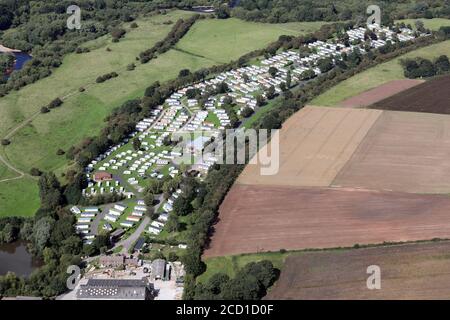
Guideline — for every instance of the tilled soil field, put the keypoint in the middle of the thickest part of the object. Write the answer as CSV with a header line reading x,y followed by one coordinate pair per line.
x,y
379,93
270,218
403,151
409,271
432,96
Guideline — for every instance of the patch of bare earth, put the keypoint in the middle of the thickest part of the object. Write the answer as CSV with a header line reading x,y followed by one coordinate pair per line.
x,y
270,218
403,151
379,93
433,96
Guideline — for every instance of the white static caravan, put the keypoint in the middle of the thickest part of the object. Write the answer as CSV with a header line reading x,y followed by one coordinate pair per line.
x,y
75,210
110,218
120,207
87,215
127,224
133,218
154,230
115,213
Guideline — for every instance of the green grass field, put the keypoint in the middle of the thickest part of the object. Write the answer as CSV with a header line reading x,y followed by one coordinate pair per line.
x,y
82,114
433,24
19,197
377,75
225,40
5,172
231,264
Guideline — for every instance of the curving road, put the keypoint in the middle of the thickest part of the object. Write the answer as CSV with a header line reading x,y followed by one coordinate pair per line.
x,y
128,242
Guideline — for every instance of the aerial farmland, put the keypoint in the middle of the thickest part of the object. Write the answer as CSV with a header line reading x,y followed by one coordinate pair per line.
x,y
133,164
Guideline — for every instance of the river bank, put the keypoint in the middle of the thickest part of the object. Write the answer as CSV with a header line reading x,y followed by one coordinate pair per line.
x,y
4,49
14,257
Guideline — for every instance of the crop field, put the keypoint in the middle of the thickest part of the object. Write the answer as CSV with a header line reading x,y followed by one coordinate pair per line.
x,y
271,218
82,114
379,93
433,24
225,40
347,176
408,271
432,96
404,151
314,145
376,76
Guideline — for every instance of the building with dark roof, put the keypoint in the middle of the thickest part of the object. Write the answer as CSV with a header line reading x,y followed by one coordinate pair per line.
x,y
117,261
116,289
158,269
139,244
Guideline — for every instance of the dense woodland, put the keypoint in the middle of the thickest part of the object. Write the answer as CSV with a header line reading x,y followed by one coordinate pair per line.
x,y
276,11
51,237
39,27
6,63
425,68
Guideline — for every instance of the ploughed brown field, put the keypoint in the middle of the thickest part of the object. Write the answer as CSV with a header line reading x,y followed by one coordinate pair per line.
x,y
379,93
409,271
360,148
432,96
315,143
346,176
403,151
270,218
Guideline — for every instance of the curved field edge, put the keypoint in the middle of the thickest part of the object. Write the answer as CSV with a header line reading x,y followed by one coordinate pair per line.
x,y
433,24
82,114
376,76
225,40
232,263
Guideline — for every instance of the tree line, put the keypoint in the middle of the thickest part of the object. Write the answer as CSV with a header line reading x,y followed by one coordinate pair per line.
x,y
425,68
180,28
276,11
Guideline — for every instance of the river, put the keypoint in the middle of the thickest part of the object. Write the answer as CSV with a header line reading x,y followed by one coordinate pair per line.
x,y
20,59
14,257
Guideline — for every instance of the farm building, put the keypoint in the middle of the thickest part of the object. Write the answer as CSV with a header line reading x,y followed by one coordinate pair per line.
x,y
158,269
116,289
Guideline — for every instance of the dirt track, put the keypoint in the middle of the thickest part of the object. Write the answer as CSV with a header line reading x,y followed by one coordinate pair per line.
x,y
379,93
432,96
410,271
403,151
263,218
